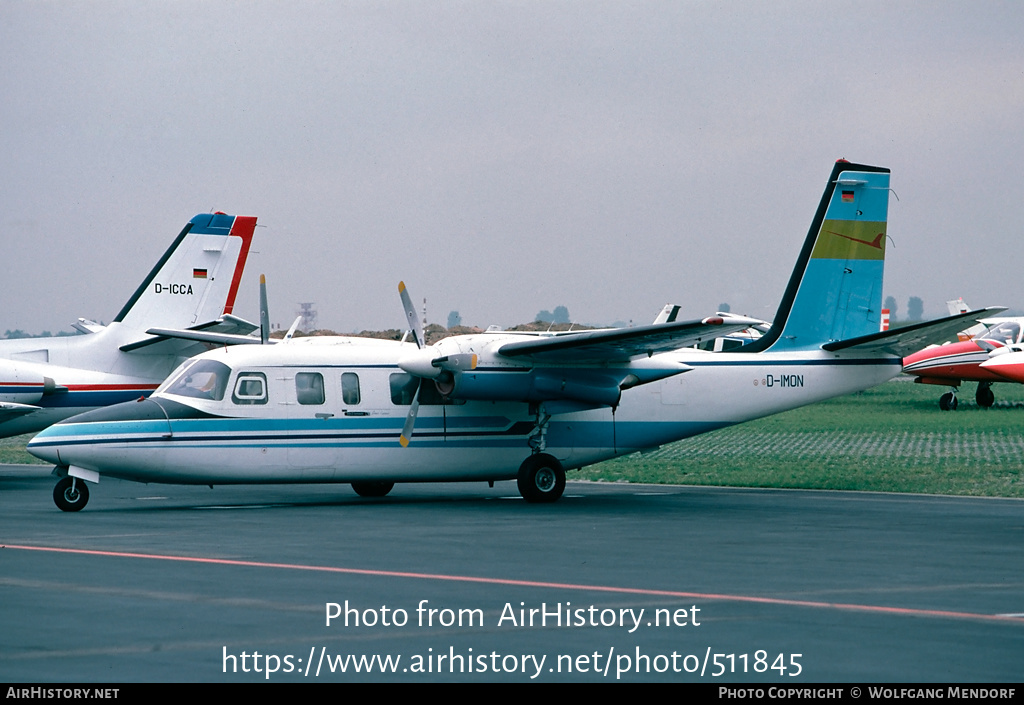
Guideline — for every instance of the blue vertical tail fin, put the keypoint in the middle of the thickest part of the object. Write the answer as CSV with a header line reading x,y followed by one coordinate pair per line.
x,y
835,291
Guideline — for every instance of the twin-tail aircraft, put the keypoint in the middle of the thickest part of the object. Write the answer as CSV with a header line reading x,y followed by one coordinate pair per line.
x,y
501,405
45,380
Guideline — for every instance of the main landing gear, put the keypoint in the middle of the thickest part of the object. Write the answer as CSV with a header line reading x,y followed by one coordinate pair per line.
x,y
541,479
948,401
71,494
984,396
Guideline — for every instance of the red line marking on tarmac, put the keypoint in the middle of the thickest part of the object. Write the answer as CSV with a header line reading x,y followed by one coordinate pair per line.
x,y
910,612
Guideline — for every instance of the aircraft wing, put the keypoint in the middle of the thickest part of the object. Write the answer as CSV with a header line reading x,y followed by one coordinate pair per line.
x,y
624,344
910,339
12,410
226,330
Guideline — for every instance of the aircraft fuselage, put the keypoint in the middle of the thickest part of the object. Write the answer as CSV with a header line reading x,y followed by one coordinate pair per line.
x,y
267,427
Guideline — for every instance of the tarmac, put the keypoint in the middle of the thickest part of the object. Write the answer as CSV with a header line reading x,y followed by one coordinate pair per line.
x,y
463,582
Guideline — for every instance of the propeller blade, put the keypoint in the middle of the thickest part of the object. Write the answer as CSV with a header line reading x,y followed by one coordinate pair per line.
x,y
264,311
410,420
410,315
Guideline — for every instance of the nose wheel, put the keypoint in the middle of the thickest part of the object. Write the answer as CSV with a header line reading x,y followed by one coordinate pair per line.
x,y
71,494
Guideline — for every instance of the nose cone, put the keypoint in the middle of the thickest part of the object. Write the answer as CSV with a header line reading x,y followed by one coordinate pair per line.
x,y
1009,366
41,447
89,439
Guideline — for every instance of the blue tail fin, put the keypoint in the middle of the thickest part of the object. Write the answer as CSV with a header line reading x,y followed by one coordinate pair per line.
x,y
835,291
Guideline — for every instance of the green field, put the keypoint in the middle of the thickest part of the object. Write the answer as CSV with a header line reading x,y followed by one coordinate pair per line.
x,y
12,450
892,438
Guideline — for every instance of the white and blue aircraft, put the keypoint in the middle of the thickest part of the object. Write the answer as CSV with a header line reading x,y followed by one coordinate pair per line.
x,y
502,405
45,380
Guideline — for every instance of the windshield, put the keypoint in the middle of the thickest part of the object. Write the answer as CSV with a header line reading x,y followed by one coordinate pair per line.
x,y
201,379
1005,333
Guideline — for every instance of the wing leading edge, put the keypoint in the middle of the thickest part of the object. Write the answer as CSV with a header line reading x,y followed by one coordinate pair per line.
x,y
624,344
910,339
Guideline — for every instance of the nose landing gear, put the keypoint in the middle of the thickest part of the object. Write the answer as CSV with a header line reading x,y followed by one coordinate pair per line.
x,y
71,494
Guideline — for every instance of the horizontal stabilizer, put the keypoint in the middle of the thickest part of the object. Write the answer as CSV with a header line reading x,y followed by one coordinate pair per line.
x,y
200,336
624,344
229,328
910,339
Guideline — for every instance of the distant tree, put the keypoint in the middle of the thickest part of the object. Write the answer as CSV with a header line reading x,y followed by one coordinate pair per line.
x,y
890,303
724,308
915,309
545,316
454,319
16,333
561,315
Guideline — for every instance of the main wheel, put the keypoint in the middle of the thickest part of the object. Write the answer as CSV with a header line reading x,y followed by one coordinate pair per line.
x,y
948,402
71,494
984,396
372,489
541,479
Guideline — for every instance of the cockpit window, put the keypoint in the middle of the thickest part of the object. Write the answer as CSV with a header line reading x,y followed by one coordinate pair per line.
x,y
203,379
1005,333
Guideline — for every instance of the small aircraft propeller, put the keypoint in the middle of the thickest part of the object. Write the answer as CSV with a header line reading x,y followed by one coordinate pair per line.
x,y
264,311
410,419
410,315
417,333
265,316
426,363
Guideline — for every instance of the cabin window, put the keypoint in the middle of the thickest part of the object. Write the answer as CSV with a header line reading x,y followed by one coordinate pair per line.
x,y
250,388
309,387
350,388
204,379
403,388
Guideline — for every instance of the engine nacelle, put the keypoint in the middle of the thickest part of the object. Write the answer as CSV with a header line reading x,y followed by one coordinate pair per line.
x,y
536,385
23,385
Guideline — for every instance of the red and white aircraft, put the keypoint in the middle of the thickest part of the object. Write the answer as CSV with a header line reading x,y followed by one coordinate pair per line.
x,y
966,360
1007,362
46,380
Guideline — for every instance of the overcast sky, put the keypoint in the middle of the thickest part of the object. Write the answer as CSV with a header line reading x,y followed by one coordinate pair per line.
x,y
502,158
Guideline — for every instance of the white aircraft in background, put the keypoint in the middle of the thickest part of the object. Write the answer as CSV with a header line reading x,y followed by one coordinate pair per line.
x,y
501,405
670,312
44,380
